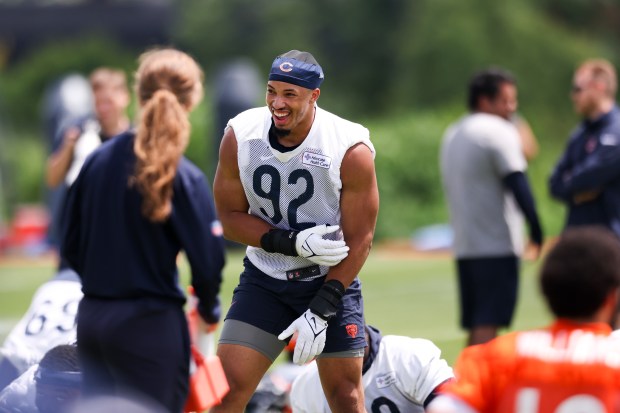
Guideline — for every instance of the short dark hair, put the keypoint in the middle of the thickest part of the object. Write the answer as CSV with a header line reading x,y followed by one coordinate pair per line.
x,y
61,358
58,379
486,83
580,271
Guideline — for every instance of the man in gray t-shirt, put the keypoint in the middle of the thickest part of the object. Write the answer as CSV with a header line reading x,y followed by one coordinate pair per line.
x,y
483,171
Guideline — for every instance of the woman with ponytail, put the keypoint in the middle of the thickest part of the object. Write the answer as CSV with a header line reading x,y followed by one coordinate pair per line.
x,y
135,205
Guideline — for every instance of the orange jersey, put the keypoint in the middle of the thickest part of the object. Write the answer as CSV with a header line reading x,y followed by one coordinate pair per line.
x,y
566,368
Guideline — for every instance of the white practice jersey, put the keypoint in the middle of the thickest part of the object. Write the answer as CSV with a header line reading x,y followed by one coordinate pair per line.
x,y
477,152
297,189
20,394
403,374
49,321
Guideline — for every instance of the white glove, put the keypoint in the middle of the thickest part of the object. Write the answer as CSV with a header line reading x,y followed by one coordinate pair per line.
x,y
311,245
311,333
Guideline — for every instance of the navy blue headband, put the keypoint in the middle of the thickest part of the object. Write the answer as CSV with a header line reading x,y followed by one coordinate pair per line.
x,y
58,378
289,70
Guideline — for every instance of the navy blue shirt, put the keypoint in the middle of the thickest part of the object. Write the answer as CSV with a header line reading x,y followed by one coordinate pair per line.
x,y
591,162
62,188
120,254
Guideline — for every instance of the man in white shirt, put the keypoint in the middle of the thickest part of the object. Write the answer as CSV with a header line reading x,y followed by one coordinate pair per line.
x,y
484,178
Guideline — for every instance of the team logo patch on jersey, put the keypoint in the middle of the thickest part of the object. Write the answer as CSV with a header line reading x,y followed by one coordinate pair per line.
x,y
351,330
316,159
386,380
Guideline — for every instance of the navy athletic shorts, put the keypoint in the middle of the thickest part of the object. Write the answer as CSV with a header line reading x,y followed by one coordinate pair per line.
x,y
272,305
488,290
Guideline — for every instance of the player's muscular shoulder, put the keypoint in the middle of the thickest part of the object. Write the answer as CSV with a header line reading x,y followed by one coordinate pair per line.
x,y
228,147
359,152
227,168
357,164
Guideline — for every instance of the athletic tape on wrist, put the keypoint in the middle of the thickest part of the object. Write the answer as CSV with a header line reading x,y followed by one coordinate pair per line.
x,y
280,240
325,302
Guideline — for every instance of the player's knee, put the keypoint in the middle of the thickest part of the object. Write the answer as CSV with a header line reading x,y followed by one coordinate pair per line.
x,y
240,389
238,386
346,396
235,400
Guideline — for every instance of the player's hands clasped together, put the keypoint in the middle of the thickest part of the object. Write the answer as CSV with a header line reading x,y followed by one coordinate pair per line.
x,y
311,333
310,244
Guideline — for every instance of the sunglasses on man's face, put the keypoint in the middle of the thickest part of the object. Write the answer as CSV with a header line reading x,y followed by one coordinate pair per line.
x,y
576,89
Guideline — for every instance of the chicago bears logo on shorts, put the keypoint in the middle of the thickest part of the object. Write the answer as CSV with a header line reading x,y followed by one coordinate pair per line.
x,y
351,330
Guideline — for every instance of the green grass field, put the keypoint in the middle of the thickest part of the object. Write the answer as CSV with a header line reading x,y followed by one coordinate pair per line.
x,y
403,294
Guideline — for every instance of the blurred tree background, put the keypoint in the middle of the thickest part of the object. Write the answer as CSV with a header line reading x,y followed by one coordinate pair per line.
x,y
400,67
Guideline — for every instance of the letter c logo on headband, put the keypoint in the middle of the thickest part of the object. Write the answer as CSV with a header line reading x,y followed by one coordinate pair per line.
x,y
297,72
286,67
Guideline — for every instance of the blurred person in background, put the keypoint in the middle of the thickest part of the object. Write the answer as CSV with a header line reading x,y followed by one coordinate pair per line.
x,y
400,374
529,143
77,138
111,99
51,386
293,183
488,193
58,380
67,101
49,321
573,365
135,205
587,176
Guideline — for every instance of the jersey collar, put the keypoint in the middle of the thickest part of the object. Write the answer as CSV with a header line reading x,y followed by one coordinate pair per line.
x,y
594,327
374,340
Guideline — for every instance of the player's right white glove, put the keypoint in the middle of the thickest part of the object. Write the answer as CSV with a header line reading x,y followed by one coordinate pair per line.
x,y
310,244
311,327
311,333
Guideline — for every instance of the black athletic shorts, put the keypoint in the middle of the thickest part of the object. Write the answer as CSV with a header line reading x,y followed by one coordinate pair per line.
x,y
271,305
488,290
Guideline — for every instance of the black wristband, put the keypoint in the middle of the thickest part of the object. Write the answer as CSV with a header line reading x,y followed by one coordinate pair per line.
x,y
280,240
536,234
325,302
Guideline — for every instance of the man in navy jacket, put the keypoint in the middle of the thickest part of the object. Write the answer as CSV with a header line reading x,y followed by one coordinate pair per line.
x,y
587,177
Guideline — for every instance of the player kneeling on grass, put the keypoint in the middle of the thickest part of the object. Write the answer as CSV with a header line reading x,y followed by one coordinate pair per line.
x,y
48,322
571,366
52,386
400,374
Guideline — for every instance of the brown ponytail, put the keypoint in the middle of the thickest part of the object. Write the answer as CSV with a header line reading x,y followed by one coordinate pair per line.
x,y
169,85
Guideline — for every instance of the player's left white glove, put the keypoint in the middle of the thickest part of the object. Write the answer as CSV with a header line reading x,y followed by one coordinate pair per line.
x,y
308,243
311,333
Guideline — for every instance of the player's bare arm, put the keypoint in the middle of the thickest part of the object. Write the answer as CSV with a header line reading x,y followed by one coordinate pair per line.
x,y
230,201
359,204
